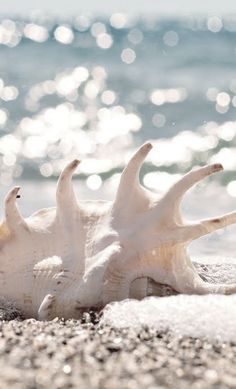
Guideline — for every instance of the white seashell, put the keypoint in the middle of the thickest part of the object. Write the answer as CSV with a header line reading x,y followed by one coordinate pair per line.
x,y
61,261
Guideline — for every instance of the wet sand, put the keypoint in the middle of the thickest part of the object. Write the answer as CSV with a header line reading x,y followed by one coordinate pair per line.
x,y
83,354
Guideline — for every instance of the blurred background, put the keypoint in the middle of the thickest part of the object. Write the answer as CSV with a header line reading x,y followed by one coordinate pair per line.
x,y
96,82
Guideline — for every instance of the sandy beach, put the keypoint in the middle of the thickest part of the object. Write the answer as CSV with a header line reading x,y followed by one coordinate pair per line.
x,y
84,354
93,353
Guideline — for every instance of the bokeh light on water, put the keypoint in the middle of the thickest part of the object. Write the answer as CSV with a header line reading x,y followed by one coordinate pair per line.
x,y
96,88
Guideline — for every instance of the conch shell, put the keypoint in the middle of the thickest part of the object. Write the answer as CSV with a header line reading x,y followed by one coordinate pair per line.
x,y
79,255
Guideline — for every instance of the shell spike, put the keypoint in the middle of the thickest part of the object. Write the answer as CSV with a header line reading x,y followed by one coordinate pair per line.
x,y
12,214
65,193
129,181
130,175
203,227
173,197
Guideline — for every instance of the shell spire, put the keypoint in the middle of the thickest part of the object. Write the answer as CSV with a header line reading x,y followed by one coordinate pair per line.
x,y
65,195
12,214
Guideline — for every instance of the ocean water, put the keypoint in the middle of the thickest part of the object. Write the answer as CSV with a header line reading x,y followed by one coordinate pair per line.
x,y
95,89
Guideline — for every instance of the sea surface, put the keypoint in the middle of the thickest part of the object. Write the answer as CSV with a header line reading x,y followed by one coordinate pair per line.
x,y
96,88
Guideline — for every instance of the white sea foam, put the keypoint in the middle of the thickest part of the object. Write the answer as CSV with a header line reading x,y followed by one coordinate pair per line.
x,y
210,316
